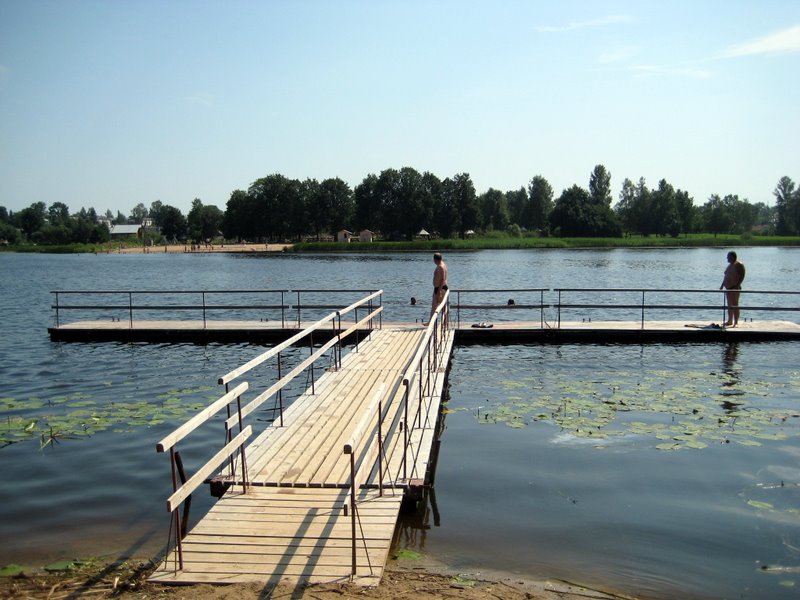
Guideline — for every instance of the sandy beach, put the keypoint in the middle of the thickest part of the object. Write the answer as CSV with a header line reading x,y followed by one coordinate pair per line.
x,y
198,248
401,580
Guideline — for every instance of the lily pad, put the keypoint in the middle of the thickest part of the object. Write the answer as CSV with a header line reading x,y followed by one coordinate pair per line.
x,y
13,570
407,554
61,565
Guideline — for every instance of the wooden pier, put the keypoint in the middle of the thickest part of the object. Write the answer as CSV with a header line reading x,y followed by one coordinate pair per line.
x,y
315,497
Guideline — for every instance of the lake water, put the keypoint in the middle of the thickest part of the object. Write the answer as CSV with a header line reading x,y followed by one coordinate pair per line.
x,y
657,470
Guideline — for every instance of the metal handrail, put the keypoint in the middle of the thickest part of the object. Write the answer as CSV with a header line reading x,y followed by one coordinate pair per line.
x,y
642,305
203,306
540,306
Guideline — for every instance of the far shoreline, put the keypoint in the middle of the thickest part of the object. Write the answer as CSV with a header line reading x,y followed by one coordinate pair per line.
x,y
421,245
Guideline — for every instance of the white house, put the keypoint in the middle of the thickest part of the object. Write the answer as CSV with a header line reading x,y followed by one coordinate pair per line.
x,y
344,236
122,230
366,236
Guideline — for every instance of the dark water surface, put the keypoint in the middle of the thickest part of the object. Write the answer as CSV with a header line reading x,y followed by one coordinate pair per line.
x,y
653,501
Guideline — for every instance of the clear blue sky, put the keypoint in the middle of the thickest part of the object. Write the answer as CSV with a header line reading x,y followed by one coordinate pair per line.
x,y
111,103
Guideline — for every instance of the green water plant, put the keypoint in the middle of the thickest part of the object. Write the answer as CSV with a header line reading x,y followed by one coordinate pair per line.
x,y
689,410
60,418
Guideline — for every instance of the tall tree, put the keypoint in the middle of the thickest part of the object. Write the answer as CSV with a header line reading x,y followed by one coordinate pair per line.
x,y
716,217
58,214
368,208
494,210
31,219
173,223
517,202
600,186
238,222
138,213
333,206
787,205
155,212
540,204
664,210
577,215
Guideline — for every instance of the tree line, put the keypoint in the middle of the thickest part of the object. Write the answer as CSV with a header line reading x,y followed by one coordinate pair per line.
x,y
400,203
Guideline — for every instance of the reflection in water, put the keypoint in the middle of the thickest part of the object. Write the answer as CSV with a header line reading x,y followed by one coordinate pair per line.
x,y
732,372
419,509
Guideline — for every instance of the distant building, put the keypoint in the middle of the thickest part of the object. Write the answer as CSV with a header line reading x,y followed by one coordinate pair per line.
x,y
366,236
124,230
344,236
423,234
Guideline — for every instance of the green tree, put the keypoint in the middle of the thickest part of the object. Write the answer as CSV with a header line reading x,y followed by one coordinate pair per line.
x,y
787,205
31,219
540,204
238,222
203,221
368,207
466,203
138,213
577,215
494,210
333,206
173,223
664,210
58,214
600,186
517,203
716,217
272,194
155,212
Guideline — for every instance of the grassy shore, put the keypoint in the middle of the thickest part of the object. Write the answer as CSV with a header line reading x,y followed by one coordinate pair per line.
x,y
514,243
491,242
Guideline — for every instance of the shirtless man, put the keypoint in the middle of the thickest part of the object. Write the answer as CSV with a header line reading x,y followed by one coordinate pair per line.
x,y
439,282
732,282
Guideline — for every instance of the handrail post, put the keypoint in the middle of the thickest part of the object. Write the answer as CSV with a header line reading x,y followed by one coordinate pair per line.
x,y
311,366
203,300
559,310
541,309
298,309
283,311
178,540
405,430
280,391
380,449
58,323
130,309
353,493
643,293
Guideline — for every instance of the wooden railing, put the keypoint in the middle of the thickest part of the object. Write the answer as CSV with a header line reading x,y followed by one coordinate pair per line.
x,y
366,447
336,341
181,493
233,451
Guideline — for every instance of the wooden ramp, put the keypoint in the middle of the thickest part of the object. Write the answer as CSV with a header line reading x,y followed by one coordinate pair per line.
x,y
292,524
276,534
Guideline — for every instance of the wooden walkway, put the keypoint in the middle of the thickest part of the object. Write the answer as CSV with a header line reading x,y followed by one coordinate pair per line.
x,y
499,331
292,524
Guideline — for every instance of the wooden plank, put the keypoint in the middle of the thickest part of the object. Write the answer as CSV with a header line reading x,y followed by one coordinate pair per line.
x,y
200,418
207,470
